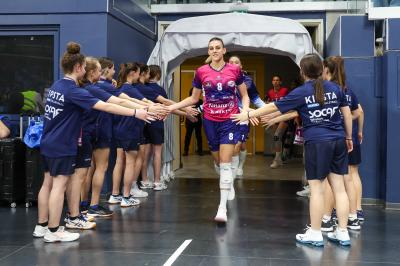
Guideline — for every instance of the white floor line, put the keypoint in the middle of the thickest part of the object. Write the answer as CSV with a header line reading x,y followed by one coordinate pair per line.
x,y
178,252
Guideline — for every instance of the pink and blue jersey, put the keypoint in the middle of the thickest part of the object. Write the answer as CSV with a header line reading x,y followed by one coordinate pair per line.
x,y
219,90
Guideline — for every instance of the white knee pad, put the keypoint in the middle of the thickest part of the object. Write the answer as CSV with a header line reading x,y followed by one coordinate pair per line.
x,y
235,165
225,178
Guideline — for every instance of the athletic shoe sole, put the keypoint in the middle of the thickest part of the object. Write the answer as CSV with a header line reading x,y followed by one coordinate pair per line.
x,y
312,243
77,227
99,215
327,229
344,243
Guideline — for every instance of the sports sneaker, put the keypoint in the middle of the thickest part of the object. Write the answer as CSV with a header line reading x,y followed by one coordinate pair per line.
x,y
99,211
146,185
159,186
39,231
60,236
115,199
129,202
353,224
360,215
88,218
83,208
138,193
231,195
221,216
340,236
239,172
311,238
79,223
305,192
327,225
276,163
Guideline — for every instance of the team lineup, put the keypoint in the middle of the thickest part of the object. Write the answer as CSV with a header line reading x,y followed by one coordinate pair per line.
x,y
87,112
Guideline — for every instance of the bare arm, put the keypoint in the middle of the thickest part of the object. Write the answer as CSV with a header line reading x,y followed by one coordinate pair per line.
x,y
348,124
189,101
141,102
4,131
125,103
360,124
245,97
246,115
285,117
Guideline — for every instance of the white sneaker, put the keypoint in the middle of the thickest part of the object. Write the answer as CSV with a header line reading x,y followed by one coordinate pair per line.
x,y
159,186
60,236
129,202
340,236
115,199
165,178
311,237
231,195
276,163
138,193
79,223
304,193
146,185
88,218
40,231
239,173
221,216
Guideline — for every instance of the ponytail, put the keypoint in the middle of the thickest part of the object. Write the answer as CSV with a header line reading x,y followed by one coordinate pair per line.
x,y
122,74
124,70
319,91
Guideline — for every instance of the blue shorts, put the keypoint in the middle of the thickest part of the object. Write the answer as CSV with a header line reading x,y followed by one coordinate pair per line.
x,y
153,135
128,145
226,132
59,166
102,143
355,155
244,132
322,158
84,156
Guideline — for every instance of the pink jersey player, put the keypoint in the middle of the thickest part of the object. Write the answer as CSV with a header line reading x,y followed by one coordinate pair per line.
x,y
219,90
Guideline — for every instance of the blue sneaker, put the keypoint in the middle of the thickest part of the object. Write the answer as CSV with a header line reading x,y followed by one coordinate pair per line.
x,y
340,236
360,215
311,238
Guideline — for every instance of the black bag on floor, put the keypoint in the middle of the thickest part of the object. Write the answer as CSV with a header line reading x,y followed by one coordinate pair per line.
x,y
34,173
12,171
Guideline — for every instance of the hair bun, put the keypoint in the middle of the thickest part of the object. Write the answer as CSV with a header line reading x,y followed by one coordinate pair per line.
x,y
73,48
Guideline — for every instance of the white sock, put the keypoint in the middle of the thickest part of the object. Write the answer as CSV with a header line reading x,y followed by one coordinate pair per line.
x,y
278,156
235,164
225,181
216,167
352,216
326,218
242,158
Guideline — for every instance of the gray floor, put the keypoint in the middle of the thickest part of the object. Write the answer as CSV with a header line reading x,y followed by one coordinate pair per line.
x,y
263,221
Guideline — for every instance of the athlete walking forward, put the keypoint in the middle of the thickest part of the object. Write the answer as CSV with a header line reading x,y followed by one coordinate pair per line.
x,y
326,144
219,81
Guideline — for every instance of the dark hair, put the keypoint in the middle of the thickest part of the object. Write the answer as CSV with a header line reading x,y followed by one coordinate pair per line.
x,y
311,66
71,57
143,68
155,71
275,75
335,65
106,62
91,65
124,70
217,39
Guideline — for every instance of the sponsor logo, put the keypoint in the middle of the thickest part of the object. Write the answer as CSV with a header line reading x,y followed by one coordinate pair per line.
x,y
231,83
52,112
326,112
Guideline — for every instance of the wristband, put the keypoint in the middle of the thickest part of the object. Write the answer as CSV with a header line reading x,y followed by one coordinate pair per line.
x,y
134,115
349,139
248,115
